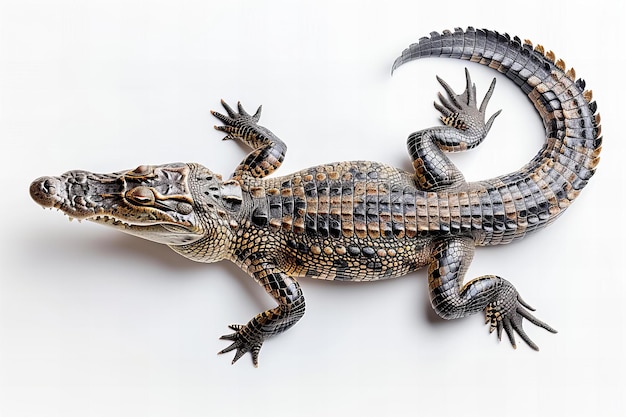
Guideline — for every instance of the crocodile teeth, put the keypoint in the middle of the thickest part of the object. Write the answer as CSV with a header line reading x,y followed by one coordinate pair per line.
x,y
103,218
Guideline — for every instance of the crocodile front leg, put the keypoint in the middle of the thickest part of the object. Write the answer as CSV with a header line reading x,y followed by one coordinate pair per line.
x,y
268,150
501,302
287,293
465,129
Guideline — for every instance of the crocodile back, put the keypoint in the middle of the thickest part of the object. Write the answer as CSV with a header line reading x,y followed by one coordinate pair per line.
x,y
359,199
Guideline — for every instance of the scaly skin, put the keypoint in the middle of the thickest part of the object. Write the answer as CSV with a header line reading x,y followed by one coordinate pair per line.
x,y
361,220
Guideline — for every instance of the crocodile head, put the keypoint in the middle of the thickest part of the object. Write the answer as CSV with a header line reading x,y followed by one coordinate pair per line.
x,y
152,202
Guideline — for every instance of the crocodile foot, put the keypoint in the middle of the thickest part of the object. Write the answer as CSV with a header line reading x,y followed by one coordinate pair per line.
x,y
460,111
244,341
507,312
238,124
268,151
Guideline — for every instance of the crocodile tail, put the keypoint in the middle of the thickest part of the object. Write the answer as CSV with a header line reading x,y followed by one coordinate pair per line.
x,y
543,188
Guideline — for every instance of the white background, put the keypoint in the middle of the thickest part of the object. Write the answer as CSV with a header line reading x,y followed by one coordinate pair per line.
x,y
97,323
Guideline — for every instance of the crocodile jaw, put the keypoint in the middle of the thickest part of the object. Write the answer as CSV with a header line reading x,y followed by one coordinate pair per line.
x,y
149,202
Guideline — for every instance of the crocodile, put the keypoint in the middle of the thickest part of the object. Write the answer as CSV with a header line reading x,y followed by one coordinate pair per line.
x,y
361,220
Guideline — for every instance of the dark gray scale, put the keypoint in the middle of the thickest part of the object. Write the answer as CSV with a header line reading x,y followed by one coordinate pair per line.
x,y
536,65
360,209
310,224
310,216
259,215
512,220
436,44
500,46
371,209
518,198
323,212
526,202
571,160
534,198
276,206
397,212
558,184
455,215
458,44
408,196
466,212
550,103
347,188
384,207
479,40
497,207
288,206
490,42
335,187
323,225
539,212
523,67
584,122
334,221
354,250
514,58
481,218
468,45
310,189
299,209
510,225
444,214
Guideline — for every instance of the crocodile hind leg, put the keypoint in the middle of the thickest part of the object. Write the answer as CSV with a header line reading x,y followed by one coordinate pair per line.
x,y
503,306
286,292
465,128
268,150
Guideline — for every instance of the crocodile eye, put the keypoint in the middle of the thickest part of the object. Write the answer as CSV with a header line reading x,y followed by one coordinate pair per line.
x,y
141,195
142,170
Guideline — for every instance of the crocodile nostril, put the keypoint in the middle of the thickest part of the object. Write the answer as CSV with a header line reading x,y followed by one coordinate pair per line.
x,y
44,190
50,186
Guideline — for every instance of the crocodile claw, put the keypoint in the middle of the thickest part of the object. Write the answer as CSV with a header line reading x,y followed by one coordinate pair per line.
x,y
510,319
244,342
241,115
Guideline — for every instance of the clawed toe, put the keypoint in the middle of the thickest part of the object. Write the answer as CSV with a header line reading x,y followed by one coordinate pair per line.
x,y
242,343
510,320
240,114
